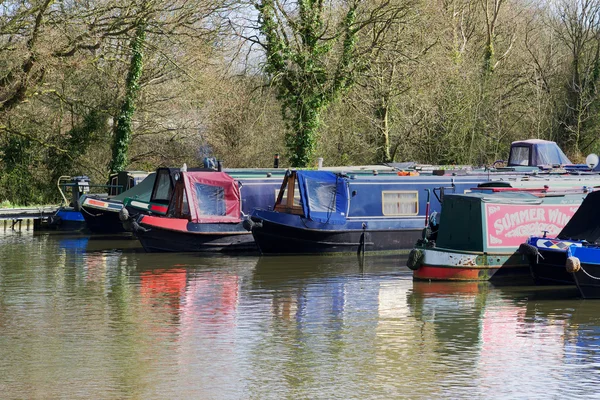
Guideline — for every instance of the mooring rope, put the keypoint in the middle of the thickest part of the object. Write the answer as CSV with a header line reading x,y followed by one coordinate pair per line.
x,y
593,277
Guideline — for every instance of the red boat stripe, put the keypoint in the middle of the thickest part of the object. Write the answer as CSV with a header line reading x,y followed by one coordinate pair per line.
x,y
93,202
451,272
162,209
446,273
175,224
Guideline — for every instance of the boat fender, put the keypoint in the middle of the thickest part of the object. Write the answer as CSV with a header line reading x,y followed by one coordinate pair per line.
x,y
573,264
135,227
123,214
415,259
248,224
529,250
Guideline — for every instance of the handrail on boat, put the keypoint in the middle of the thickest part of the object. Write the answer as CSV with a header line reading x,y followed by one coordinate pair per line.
x,y
64,177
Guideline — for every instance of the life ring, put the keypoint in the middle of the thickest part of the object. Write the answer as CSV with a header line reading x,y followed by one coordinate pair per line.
x,y
573,264
415,259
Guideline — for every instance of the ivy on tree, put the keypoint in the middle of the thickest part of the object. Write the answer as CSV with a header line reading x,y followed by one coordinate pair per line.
x,y
307,67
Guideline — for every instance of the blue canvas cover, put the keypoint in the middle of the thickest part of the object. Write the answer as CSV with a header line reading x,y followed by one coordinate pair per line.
x,y
536,152
324,196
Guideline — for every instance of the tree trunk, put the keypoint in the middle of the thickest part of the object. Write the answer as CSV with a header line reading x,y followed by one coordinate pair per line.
x,y
383,147
122,128
302,137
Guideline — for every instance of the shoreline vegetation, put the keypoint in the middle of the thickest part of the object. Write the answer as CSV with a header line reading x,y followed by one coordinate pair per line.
x,y
107,85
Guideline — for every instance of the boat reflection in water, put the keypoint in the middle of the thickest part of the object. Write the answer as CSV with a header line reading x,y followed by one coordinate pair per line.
x,y
313,291
503,332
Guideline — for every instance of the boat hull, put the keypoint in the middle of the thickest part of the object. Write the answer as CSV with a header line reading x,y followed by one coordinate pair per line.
x,y
448,265
548,268
67,220
274,238
587,277
205,237
99,221
589,286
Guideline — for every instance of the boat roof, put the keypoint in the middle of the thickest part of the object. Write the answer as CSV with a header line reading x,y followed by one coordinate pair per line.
x,y
212,196
141,191
500,197
532,141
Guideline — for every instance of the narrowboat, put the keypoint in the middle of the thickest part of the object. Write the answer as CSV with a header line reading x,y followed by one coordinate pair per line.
x,y
102,214
69,216
205,213
162,190
571,257
479,234
151,196
325,212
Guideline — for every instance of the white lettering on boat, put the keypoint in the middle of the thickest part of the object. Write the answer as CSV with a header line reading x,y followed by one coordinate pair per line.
x,y
508,225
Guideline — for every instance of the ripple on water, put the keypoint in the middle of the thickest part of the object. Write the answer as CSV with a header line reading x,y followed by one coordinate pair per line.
x,y
83,316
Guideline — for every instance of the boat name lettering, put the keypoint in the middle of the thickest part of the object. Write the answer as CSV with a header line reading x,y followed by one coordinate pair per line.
x,y
509,225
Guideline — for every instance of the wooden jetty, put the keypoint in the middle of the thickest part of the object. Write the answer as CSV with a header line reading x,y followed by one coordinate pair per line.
x,y
16,219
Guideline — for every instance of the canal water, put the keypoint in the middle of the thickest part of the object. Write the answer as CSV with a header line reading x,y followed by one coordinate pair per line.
x,y
96,317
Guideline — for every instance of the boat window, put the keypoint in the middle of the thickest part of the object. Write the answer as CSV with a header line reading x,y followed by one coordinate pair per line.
x,y
211,199
131,183
113,190
163,187
519,155
285,196
321,195
297,201
400,203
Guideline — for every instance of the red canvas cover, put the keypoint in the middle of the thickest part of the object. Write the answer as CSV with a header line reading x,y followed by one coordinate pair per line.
x,y
231,196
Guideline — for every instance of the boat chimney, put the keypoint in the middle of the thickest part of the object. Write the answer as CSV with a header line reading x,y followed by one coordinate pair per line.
x,y
276,161
184,167
319,162
219,165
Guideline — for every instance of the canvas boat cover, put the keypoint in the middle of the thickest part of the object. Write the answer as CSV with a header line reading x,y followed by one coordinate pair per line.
x,y
543,152
324,196
213,197
585,223
141,191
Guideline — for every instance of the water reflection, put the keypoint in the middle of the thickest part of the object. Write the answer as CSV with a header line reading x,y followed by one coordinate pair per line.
x,y
80,313
498,334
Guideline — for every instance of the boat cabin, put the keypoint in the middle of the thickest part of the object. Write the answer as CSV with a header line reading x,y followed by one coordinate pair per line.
x,y
501,221
331,198
536,152
318,195
205,197
124,180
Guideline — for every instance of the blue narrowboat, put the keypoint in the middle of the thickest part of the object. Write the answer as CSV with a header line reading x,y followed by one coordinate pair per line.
x,y
69,216
326,212
206,213
573,256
